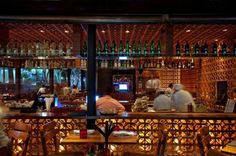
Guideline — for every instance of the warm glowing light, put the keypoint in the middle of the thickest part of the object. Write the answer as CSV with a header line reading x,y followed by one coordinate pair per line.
x,y
42,31
188,30
127,31
103,31
216,40
66,31
224,30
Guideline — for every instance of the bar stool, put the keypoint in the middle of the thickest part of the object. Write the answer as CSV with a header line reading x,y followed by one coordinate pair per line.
x,y
50,133
20,131
203,139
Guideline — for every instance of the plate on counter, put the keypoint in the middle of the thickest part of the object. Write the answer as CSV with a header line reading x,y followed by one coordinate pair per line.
x,y
123,133
89,131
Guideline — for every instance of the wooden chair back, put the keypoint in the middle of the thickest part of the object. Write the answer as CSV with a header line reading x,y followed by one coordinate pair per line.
x,y
48,133
20,131
203,139
162,141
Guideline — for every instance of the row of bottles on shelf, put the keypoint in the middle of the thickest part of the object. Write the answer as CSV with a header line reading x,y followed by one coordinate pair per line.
x,y
39,63
158,64
204,50
135,49
138,50
152,64
31,48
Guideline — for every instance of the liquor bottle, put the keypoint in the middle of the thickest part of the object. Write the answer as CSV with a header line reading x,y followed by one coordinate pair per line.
x,y
127,48
1,49
192,64
205,49
29,47
214,49
106,48
196,49
15,48
224,49
69,48
234,51
115,64
139,49
60,48
186,49
133,49
113,47
84,49
121,48
159,48
145,48
177,47
99,48
106,64
152,48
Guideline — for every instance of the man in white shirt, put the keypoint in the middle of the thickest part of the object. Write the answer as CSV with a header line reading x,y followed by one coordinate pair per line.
x,y
162,102
153,83
182,98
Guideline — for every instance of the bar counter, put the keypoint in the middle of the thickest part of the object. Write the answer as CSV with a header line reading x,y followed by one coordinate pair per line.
x,y
182,127
127,115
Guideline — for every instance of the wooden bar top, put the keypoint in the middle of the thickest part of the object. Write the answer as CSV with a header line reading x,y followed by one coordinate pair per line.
x,y
129,115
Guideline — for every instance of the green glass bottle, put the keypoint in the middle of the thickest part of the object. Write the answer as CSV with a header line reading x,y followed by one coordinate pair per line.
x,y
214,49
133,48
99,48
224,49
120,48
106,48
113,47
177,48
159,48
152,48
139,49
145,48
127,48
205,49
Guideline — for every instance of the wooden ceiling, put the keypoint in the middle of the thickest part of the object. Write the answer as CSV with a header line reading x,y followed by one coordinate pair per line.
x,y
191,33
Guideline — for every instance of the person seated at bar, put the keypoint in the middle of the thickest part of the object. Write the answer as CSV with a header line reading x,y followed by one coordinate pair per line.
x,y
107,104
169,90
74,90
162,102
230,105
39,103
5,142
42,90
182,98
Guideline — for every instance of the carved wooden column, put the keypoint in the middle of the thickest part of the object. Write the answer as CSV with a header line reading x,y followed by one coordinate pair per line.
x,y
77,39
166,38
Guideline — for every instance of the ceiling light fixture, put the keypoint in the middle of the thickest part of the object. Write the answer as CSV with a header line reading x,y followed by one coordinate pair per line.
x,y
42,31
103,31
216,40
187,31
224,30
66,31
127,31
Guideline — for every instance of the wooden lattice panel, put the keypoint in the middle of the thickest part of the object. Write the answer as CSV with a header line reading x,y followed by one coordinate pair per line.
x,y
181,130
213,70
168,76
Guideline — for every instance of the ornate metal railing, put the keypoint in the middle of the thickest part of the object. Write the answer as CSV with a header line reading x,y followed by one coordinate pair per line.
x,y
182,128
